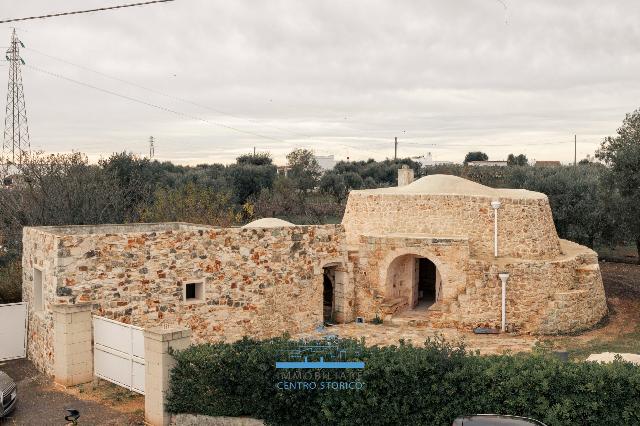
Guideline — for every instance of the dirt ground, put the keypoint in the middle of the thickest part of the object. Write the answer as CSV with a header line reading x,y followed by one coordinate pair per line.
x,y
620,331
42,402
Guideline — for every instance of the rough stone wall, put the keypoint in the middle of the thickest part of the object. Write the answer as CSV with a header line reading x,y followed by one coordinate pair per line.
x,y
545,297
40,251
525,226
257,282
376,262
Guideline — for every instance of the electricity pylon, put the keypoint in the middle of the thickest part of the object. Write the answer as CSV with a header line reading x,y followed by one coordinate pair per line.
x,y
15,145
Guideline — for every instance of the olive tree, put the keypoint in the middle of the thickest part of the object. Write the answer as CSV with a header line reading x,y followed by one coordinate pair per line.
x,y
622,154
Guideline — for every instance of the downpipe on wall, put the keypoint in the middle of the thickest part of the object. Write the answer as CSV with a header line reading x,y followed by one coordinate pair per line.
x,y
504,276
495,205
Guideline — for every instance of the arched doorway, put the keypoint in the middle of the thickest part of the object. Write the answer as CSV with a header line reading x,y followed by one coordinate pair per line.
x,y
412,282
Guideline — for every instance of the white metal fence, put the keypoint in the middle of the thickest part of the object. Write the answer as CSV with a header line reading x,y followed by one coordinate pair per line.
x,y
13,331
118,353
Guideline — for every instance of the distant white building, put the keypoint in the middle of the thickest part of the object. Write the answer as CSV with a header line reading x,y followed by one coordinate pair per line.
x,y
427,160
326,162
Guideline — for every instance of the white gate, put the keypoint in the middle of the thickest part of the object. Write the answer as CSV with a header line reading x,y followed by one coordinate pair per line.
x,y
118,353
13,331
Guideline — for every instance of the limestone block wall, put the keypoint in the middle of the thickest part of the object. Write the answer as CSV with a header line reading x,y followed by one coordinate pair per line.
x,y
546,297
257,282
376,264
40,251
543,296
525,226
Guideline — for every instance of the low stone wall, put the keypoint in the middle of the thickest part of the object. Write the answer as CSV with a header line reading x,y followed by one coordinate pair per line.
x,y
257,282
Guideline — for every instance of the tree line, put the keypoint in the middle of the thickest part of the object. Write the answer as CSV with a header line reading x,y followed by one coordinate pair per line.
x,y
593,203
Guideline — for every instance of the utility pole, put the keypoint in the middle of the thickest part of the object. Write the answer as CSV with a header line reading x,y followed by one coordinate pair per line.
x,y
254,151
575,149
152,148
395,151
15,144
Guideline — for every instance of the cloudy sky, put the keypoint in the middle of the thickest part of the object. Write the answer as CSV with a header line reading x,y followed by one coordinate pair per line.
x,y
339,77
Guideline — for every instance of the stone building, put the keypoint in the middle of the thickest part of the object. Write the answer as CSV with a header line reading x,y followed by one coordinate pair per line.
x,y
429,252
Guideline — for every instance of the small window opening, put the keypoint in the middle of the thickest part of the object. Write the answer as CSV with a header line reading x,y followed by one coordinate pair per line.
x,y
37,290
193,291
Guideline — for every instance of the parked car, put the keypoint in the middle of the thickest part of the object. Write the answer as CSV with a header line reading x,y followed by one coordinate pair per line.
x,y
495,420
8,394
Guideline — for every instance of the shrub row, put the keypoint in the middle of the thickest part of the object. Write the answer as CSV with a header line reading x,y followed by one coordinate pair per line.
x,y
405,385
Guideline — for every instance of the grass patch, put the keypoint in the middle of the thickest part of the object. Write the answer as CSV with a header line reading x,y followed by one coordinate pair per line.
x,y
115,393
580,350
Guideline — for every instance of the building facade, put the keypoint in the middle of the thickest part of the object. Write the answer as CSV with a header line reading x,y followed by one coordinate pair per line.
x,y
426,248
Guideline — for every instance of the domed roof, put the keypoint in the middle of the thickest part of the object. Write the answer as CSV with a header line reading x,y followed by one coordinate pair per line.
x,y
268,222
453,185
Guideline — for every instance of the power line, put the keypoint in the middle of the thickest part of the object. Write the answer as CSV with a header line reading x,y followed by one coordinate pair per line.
x,y
77,12
140,101
158,92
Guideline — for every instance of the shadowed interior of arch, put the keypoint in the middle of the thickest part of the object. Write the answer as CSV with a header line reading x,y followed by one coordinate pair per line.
x,y
425,282
413,285
328,284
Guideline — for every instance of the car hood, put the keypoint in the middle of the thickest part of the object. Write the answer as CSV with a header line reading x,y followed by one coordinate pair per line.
x,y
5,380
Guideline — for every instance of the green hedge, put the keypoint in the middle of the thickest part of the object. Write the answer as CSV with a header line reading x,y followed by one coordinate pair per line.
x,y
405,385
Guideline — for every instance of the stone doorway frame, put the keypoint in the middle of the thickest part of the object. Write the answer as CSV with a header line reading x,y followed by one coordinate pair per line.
x,y
341,311
437,284
408,260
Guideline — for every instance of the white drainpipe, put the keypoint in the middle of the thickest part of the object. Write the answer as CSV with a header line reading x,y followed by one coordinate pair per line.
x,y
496,206
504,276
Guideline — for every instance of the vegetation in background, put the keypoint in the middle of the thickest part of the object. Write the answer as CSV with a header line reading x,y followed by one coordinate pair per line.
x,y
404,385
622,154
194,204
517,160
304,170
592,203
475,156
250,175
10,281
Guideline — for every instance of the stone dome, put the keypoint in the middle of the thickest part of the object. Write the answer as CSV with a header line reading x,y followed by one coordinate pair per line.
x,y
268,222
454,185
442,206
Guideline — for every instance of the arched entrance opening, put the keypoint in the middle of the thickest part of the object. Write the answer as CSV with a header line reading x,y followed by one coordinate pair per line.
x,y
412,282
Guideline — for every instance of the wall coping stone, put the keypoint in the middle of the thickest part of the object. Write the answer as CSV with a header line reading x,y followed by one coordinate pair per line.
x,y
66,308
162,334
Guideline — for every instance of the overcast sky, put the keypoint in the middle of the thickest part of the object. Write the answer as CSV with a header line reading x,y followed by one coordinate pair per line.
x,y
339,77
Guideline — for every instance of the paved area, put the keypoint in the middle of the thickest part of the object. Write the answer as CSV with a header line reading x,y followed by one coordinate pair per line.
x,y
611,356
41,402
383,335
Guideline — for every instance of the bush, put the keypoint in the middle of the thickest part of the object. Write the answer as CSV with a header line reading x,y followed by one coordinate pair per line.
x,y
430,385
10,281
